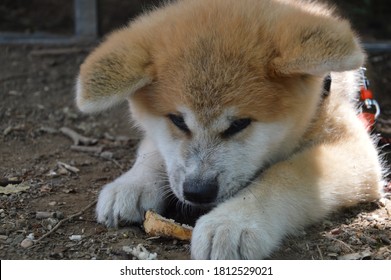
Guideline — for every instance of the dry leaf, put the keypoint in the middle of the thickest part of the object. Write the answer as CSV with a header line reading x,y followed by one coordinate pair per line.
x,y
9,189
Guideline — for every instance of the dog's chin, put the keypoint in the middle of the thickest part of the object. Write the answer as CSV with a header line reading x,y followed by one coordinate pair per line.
x,y
217,201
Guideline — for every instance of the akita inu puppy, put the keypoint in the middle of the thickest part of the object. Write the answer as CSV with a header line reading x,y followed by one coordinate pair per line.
x,y
231,98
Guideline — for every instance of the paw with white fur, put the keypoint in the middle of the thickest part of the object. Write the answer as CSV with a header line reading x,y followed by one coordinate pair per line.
x,y
219,235
128,202
138,190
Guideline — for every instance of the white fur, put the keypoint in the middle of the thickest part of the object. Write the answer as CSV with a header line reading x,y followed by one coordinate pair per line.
x,y
237,160
139,189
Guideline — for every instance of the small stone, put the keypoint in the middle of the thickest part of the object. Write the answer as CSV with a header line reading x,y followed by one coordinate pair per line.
x,y
49,223
106,155
26,243
75,237
52,174
382,202
52,203
66,190
44,215
335,231
370,218
59,215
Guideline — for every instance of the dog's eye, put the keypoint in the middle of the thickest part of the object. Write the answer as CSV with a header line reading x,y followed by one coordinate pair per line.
x,y
236,126
179,122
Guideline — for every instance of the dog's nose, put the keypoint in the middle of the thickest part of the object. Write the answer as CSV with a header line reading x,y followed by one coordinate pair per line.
x,y
200,191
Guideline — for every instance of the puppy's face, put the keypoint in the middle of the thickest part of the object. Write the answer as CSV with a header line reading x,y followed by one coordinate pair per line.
x,y
209,162
219,122
223,88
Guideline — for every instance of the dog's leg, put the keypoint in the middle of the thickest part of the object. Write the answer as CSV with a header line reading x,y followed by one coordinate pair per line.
x,y
288,196
139,189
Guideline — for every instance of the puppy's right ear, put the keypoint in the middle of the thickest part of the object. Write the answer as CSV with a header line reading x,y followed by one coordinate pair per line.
x,y
113,71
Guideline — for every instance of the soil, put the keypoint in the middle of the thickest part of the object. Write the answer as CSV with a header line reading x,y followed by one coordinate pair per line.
x,y
37,101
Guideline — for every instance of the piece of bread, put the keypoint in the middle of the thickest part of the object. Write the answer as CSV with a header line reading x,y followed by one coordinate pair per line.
x,y
156,225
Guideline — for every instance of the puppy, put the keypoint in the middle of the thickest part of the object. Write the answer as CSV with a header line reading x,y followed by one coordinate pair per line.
x,y
230,96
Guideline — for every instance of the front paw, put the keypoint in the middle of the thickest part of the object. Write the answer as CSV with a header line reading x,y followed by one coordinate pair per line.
x,y
223,234
120,201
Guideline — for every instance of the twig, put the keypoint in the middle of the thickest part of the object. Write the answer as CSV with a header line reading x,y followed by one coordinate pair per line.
x,y
65,220
77,138
67,167
320,252
86,149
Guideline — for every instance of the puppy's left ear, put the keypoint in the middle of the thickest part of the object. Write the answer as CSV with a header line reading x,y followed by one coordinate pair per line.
x,y
315,45
114,70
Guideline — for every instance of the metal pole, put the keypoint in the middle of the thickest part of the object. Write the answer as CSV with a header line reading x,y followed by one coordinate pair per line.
x,y
375,47
86,18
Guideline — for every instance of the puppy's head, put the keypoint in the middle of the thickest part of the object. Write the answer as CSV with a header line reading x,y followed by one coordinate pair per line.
x,y
223,88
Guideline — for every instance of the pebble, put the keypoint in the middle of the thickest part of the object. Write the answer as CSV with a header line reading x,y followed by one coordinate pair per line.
x,y
106,155
370,219
59,215
26,243
335,231
382,202
75,237
44,215
49,223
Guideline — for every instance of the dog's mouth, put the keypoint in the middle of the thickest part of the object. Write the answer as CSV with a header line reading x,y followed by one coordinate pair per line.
x,y
206,193
212,198
202,205
185,212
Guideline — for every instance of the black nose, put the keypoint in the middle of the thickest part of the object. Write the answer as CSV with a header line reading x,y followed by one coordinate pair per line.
x,y
200,190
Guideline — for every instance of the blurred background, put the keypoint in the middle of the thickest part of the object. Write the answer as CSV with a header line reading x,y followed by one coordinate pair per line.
x,y
370,17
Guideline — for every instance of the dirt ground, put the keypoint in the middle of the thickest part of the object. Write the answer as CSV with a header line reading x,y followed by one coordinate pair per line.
x,y
55,184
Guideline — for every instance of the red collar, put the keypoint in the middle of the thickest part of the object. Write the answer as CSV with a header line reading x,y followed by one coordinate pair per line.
x,y
370,109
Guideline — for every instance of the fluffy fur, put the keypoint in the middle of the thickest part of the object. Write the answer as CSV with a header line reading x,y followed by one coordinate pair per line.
x,y
193,72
